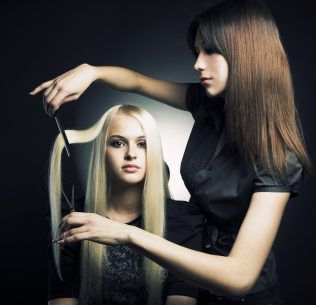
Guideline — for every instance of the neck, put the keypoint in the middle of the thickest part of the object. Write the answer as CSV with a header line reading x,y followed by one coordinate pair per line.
x,y
124,202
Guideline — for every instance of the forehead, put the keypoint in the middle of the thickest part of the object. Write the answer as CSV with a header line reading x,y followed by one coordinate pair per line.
x,y
125,126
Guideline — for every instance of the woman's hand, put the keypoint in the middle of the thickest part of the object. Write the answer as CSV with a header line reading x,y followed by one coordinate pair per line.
x,y
66,87
90,226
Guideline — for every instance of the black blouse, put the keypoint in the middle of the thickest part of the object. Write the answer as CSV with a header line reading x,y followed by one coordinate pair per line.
x,y
223,187
123,277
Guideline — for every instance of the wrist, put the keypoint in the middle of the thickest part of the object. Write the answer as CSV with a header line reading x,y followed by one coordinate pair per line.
x,y
94,72
131,235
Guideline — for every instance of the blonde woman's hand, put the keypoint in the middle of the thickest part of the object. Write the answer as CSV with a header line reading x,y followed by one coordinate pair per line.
x,y
66,87
90,226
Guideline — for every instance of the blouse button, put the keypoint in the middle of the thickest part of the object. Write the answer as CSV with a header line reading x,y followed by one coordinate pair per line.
x,y
193,185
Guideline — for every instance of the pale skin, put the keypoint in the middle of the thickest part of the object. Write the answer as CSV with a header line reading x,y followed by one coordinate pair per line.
x,y
125,153
233,275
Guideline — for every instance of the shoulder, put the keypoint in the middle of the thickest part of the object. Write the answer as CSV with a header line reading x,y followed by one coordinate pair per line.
x,y
266,181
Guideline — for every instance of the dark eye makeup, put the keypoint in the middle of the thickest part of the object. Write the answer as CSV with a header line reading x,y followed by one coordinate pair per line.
x,y
120,143
117,143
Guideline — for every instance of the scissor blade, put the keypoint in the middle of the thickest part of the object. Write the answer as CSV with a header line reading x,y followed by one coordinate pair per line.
x,y
73,197
67,200
61,130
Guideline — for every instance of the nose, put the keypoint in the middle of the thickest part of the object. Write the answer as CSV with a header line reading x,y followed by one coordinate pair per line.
x,y
200,64
130,153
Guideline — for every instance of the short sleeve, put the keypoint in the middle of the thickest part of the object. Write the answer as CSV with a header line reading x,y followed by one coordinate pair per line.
x,y
184,227
69,261
195,98
266,182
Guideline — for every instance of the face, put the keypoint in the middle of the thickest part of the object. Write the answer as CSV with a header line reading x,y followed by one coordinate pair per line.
x,y
213,68
126,150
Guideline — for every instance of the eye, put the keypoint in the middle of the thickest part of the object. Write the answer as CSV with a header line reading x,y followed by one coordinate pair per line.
x,y
142,144
117,143
210,51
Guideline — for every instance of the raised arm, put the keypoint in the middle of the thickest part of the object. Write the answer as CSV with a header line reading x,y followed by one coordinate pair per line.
x,y
70,85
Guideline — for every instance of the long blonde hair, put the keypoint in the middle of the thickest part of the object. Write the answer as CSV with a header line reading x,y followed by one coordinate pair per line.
x,y
93,255
261,116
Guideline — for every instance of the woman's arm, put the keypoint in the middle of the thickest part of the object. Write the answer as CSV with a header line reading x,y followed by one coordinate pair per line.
x,y
232,275
180,300
63,301
70,85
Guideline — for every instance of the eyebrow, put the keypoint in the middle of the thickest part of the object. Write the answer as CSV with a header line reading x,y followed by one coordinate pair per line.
x,y
121,137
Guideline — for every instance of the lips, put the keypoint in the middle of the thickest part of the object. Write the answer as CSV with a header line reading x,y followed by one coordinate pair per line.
x,y
131,166
203,79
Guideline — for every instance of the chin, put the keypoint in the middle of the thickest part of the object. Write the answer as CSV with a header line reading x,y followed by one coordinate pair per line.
x,y
210,92
132,180
213,93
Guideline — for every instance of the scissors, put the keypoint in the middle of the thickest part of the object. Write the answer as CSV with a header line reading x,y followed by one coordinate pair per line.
x,y
60,128
72,202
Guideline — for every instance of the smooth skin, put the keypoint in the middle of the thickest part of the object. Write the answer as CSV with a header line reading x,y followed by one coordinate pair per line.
x,y
233,275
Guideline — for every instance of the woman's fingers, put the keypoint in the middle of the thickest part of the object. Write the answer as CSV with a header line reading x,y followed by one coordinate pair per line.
x,y
42,87
65,88
71,235
55,103
56,97
74,219
72,97
50,93
75,237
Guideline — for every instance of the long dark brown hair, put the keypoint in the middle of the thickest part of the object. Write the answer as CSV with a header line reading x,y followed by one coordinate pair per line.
x,y
261,116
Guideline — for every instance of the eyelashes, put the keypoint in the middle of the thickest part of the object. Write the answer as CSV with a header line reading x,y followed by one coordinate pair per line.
x,y
210,50
120,143
117,143
142,144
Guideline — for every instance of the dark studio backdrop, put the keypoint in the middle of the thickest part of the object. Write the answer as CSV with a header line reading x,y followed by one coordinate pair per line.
x,y
42,39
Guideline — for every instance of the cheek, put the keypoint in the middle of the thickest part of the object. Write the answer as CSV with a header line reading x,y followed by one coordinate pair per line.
x,y
143,159
112,158
223,69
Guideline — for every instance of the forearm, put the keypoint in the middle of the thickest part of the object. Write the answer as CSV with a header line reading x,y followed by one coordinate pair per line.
x,y
117,77
180,300
172,94
63,301
221,275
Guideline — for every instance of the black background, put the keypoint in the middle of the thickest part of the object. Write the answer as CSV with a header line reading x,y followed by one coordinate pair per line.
x,y
42,39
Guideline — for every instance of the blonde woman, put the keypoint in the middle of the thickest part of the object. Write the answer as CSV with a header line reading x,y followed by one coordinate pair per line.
x,y
126,184
244,159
